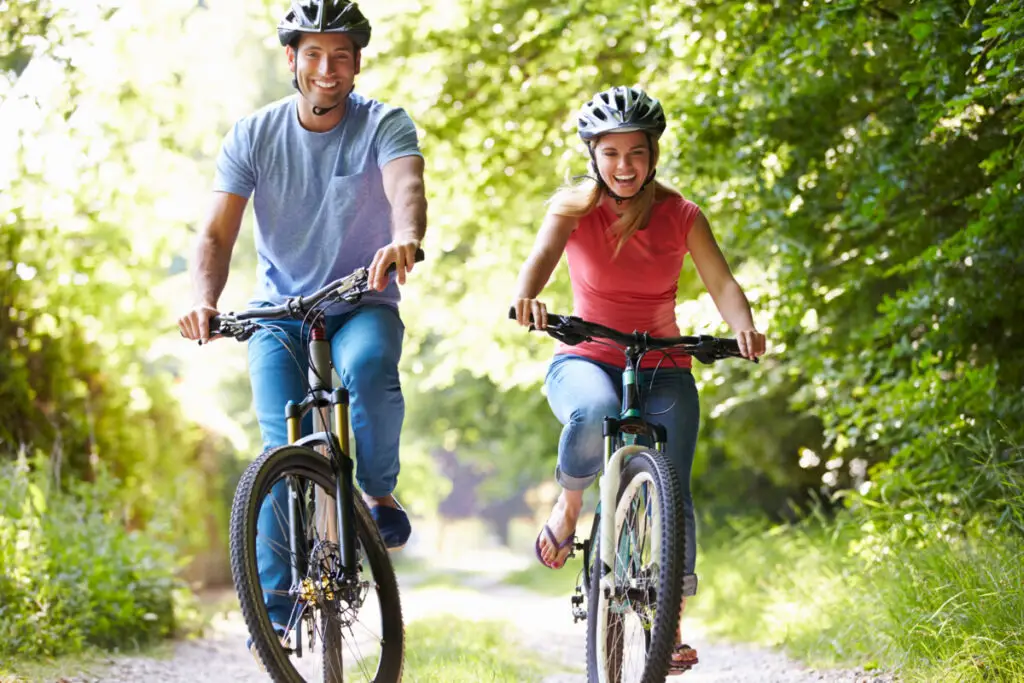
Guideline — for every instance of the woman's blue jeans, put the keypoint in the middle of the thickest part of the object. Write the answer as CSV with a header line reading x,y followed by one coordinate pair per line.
x,y
582,392
366,345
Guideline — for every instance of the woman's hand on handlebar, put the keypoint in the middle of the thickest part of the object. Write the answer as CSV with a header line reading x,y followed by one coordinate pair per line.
x,y
751,342
525,308
196,323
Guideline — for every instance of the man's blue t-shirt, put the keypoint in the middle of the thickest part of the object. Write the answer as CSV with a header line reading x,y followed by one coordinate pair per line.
x,y
319,200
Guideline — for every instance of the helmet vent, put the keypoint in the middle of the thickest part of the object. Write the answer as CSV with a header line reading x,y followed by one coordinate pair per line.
x,y
622,109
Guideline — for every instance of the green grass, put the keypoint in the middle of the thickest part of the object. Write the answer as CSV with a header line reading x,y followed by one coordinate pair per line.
x,y
447,578
953,610
448,650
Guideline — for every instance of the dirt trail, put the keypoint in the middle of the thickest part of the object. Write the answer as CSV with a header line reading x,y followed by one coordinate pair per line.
x,y
543,625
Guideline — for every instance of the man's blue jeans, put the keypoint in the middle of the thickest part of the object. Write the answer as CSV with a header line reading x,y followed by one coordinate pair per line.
x,y
582,392
366,345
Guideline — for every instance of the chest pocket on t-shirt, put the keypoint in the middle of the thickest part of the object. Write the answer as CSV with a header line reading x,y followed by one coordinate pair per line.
x,y
349,192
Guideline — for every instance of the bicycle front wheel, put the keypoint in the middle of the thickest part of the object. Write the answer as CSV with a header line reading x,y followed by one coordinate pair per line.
x,y
633,606
309,620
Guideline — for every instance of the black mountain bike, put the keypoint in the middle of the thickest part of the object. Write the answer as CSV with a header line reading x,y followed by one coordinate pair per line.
x,y
632,578
346,617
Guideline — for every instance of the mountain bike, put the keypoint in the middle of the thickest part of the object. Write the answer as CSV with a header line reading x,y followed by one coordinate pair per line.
x,y
631,583
346,617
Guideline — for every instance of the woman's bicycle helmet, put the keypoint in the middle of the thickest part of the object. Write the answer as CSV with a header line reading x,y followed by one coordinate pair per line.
x,y
621,110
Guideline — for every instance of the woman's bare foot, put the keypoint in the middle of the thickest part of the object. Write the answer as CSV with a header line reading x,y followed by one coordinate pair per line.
x,y
562,525
684,657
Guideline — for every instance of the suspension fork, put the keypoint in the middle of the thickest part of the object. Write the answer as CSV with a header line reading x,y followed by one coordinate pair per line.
x,y
335,513
609,487
344,494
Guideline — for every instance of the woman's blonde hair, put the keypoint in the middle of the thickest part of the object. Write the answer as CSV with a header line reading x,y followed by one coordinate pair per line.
x,y
578,199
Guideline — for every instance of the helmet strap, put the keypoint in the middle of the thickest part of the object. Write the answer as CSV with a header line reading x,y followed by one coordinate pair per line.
x,y
317,111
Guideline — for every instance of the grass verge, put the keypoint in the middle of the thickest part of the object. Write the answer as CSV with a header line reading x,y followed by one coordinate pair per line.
x,y
834,595
444,649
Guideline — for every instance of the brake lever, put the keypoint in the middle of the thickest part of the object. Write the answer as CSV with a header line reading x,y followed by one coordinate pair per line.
x,y
245,330
563,335
357,281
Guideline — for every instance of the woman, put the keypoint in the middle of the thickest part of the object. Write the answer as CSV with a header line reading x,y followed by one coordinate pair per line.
x,y
625,235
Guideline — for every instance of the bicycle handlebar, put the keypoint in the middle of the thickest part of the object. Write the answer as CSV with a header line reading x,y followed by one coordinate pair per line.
x,y
573,330
349,288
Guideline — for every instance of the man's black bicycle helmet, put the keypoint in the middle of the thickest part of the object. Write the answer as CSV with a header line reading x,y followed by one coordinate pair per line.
x,y
324,16
621,110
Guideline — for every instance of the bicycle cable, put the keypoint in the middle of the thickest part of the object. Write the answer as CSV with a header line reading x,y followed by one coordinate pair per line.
x,y
274,331
319,315
665,353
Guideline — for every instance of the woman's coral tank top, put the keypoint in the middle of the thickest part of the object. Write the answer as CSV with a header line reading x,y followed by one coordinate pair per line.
x,y
635,290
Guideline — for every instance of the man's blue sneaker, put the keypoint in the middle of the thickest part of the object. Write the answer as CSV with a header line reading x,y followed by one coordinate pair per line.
x,y
393,524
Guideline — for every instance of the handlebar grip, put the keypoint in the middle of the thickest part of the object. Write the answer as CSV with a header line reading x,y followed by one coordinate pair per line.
x,y
215,324
419,257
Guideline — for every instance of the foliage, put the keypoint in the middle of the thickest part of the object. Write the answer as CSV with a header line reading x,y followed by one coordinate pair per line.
x,y
99,149
890,219
72,575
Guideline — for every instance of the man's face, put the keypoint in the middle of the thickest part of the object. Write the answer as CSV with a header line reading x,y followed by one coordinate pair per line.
x,y
325,66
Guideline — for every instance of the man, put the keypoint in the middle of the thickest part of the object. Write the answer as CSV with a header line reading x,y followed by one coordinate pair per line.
x,y
337,182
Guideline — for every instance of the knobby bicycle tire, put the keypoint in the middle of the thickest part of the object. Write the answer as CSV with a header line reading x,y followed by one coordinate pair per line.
x,y
253,486
653,466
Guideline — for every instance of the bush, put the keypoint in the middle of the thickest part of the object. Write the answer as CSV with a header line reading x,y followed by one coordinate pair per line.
x,y
73,574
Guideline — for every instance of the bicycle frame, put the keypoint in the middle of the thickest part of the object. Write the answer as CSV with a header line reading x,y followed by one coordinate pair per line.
x,y
629,425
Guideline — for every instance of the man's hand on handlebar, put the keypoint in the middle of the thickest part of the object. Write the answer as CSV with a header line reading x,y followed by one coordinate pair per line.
x,y
402,253
195,324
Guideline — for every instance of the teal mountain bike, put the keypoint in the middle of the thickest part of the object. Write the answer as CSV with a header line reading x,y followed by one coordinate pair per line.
x,y
631,584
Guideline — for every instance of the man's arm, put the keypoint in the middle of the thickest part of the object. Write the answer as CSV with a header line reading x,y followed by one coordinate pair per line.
x,y
403,186
211,261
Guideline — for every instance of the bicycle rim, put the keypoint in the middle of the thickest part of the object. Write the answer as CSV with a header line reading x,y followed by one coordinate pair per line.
x,y
336,627
634,609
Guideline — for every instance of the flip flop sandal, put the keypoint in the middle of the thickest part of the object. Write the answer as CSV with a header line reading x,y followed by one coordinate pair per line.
x,y
559,546
686,661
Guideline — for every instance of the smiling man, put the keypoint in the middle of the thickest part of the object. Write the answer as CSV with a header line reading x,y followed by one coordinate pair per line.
x,y
337,183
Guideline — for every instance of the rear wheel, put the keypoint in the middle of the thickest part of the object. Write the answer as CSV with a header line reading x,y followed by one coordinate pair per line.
x,y
633,606
336,627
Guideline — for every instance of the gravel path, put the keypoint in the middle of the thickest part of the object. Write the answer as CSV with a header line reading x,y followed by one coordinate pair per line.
x,y
543,625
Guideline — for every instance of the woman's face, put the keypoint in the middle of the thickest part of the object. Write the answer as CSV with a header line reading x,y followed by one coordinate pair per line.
x,y
624,161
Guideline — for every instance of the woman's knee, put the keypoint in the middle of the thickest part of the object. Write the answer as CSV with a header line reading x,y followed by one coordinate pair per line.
x,y
591,414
